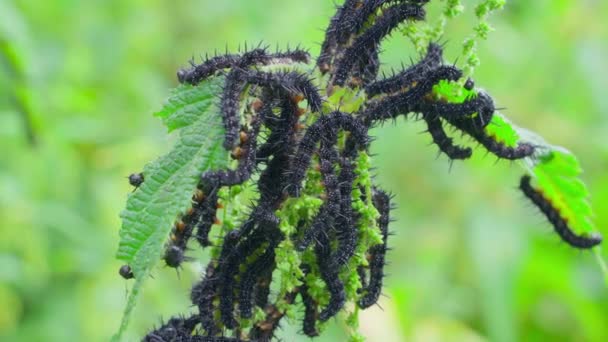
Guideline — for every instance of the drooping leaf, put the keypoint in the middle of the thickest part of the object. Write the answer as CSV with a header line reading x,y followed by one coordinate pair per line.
x,y
171,179
556,170
557,173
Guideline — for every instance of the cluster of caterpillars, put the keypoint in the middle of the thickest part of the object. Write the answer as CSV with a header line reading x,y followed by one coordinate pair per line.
x,y
278,128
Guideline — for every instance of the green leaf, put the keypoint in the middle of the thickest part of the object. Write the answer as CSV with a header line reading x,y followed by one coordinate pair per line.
x,y
556,170
557,173
170,180
502,130
185,105
452,92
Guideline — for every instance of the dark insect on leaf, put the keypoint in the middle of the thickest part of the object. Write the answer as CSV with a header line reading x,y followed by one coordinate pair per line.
x,y
560,224
282,129
471,117
201,215
247,162
469,84
174,256
500,150
136,179
126,272
228,263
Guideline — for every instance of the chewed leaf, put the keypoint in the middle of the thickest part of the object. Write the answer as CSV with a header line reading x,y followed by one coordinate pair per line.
x,y
171,179
453,92
501,130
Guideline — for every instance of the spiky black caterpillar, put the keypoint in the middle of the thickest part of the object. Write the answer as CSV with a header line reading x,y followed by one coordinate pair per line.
x,y
257,56
371,38
290,152
560,224
440,138
377,254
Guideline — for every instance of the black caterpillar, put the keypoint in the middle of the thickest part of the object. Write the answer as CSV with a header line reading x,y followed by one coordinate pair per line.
x,y
277,141
555,218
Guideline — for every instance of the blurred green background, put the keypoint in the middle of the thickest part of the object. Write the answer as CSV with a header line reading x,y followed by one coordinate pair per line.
x,y
472,261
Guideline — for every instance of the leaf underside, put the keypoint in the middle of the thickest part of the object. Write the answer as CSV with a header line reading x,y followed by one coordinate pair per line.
x,y
171,179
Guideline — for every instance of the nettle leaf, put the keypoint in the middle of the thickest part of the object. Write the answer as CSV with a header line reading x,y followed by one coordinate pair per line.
x,y
452,92
186,103
171,179
557,173
502,130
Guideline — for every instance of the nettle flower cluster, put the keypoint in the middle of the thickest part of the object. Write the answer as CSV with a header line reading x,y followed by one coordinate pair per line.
x,y
314,235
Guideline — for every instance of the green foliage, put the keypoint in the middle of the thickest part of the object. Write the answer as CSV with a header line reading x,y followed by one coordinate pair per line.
x,y
501,129
481,30
421,35
171,179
